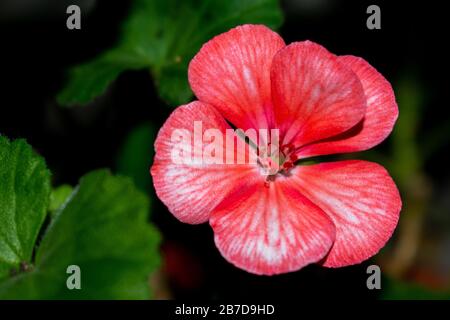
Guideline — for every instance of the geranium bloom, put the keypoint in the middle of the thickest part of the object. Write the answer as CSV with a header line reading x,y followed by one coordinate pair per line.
x,y
337,213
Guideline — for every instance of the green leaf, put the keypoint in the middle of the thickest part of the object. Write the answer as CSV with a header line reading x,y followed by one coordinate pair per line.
x,y
91,79
103,229
24,197
163,36
136,154
58,197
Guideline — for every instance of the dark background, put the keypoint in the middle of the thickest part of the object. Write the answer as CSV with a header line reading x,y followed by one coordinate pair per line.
x,y
37,49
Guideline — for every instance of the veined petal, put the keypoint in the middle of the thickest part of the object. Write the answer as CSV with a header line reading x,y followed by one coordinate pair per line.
x,y
315,96
360,198
271,230
380,117
232,72
191,190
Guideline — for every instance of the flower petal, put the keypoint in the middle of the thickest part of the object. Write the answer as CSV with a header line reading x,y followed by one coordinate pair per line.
x,y
315,96
191,190
271,230
380,117
232,72
361,199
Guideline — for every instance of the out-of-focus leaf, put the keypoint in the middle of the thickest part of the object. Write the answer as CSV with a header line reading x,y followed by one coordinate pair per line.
x,y
24,197
401,290
91,79
103,229
163,36
405,153
136,155
58,197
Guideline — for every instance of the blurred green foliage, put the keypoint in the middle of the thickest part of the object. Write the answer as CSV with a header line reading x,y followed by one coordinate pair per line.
x,y
136,154
394,289
163,36
406,156
101,226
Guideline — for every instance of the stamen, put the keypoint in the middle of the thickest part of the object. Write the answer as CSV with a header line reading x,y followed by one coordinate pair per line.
x,y
274,160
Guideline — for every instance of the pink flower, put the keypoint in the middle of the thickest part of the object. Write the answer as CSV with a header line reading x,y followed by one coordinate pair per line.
x,y
337,213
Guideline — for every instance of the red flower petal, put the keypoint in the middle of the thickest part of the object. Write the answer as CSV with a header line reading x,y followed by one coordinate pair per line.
x,y
315,96
361,199
191,191
271,230
380,117
232,72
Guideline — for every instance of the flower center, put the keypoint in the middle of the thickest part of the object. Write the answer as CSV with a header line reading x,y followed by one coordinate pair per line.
x,y
273,160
